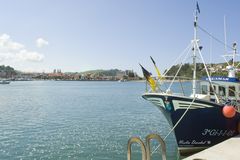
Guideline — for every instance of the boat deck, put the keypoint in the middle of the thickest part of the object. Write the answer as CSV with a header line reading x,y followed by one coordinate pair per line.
x,y
226,150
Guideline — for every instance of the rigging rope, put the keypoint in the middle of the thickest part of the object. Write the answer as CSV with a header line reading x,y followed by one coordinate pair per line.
x,y
190,44
209,78
216,39
179,69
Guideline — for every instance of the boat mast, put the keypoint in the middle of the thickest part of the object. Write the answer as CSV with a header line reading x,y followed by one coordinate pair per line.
x,y
234,52
195,41
197,48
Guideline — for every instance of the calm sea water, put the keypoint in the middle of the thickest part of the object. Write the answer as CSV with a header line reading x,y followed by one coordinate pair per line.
x,y
76,120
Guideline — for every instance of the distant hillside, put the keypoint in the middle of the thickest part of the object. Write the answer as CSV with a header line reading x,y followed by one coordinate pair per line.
x,y
111,72
218,69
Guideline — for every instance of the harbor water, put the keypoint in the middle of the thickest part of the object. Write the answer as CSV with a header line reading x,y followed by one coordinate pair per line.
x,y
77,120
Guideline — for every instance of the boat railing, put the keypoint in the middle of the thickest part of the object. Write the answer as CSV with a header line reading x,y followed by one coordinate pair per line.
x,y
224,98
233,101
178,85
182,86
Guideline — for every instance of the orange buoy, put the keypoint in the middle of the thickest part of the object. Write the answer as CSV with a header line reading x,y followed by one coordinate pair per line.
x,y
229,111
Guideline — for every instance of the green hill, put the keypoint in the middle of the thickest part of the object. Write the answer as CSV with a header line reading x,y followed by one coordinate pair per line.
x,y
111,72
218,69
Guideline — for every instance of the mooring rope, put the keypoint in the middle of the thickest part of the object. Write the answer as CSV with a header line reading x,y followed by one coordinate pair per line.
x,y
175,124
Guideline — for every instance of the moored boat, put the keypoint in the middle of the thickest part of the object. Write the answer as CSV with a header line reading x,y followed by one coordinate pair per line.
x,y
4,82
207,116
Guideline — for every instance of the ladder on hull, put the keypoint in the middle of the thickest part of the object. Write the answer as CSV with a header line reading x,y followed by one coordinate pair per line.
x,y
146,151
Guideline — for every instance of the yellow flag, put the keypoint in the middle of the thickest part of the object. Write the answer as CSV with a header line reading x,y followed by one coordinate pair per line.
x,y
158,72
148,77
152,83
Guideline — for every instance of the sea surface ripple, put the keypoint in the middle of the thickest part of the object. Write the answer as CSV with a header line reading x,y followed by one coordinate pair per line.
x,y
76,120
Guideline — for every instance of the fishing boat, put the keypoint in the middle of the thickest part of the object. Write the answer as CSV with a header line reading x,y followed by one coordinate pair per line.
x,y
210,113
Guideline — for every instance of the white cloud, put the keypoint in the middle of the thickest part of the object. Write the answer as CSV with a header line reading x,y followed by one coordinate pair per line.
x,y
29,56
7,44
10,50
40,42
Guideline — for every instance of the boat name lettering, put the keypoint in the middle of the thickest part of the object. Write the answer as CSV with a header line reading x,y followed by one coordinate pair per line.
x,y
218,79
182,142
217,132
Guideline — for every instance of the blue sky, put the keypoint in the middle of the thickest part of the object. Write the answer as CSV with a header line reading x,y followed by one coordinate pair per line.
x,y
80,35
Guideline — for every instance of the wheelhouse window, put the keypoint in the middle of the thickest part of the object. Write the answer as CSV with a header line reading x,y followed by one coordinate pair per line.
x,y
211,90
204,89
222,91
231,91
